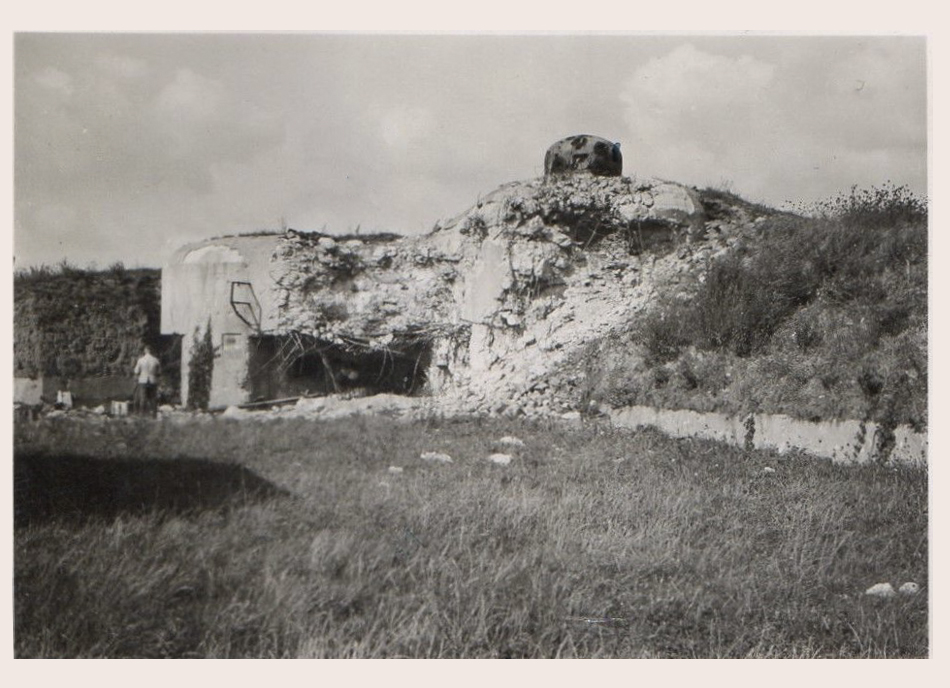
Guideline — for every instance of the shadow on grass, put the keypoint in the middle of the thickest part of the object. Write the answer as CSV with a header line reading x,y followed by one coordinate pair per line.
x,y
77,488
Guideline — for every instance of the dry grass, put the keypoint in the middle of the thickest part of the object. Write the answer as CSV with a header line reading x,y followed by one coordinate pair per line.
x,y
294,539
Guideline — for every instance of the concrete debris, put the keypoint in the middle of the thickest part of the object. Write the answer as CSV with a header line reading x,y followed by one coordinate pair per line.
x,y
507,291
883,590
909,588
435,457
572,417
235,412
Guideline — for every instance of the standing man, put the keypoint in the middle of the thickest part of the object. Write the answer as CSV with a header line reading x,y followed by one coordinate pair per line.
x,y
145,397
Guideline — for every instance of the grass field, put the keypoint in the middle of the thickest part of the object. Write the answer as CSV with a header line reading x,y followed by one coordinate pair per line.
x,y
295,538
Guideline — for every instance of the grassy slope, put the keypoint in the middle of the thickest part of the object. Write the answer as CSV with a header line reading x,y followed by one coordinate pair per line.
x,y
690,549
818,318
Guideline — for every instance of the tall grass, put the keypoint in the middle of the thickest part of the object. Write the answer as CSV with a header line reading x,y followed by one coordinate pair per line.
x,y
592,543
831,302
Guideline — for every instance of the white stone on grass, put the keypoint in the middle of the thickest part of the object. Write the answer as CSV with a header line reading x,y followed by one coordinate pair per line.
x,y
909,588
395,469
435,457
885,590
500,459
511,441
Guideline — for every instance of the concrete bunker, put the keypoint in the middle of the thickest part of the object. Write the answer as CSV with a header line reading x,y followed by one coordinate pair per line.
x,y
303,313
584,153
283,322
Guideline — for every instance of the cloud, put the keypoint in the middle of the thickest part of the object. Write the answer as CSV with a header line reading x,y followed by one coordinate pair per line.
x,y
121,66
795,126
677,79
687,107
55,80
190,97
403,126
199,119
134,151
873,96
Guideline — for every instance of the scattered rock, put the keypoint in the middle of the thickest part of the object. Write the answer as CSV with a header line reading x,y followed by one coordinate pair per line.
x,y
435,457
511,319
311,404
884,590
500,459
909,588
395,469
572,417
562,240
511,441
513,411
768,469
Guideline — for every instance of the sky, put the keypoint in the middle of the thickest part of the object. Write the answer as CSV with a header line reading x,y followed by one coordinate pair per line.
x,y
128,146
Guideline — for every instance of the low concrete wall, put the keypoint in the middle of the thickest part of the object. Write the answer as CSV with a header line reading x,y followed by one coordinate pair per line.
x,y
846,441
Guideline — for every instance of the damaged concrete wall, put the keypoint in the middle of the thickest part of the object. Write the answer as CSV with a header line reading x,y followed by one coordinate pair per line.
x,y
514,274
546,265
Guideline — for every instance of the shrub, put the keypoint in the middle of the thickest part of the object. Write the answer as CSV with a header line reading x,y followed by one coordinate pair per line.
x,y
884,206
200,368
663,334
828,312
868,247
475,225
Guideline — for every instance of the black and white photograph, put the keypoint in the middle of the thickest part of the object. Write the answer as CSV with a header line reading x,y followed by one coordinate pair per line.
x,y
481,345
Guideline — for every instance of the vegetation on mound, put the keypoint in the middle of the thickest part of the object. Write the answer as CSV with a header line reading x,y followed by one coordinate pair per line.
x,y
75,322
817,317
296,539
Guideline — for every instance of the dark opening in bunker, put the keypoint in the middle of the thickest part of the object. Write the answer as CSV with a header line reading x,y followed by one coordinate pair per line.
x,y
655,236
283,366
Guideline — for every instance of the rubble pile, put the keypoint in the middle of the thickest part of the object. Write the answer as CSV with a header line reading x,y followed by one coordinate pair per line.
x,y
361,290
506,294
555,264
496,305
